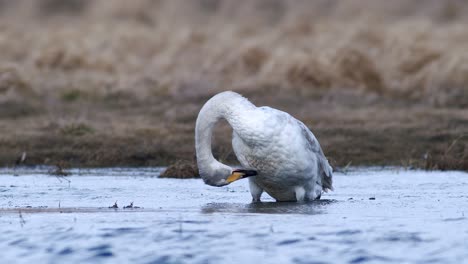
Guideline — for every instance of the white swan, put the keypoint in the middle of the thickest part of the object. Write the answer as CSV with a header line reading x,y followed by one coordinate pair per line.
x,y
280,154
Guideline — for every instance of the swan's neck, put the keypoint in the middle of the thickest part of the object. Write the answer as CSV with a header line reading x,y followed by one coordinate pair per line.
x,y
229,106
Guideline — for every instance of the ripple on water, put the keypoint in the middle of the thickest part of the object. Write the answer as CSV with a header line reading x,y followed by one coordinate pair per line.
x,y
345,232
165,259
23,243
65,251
308,261
101,251
104,254
454,219
116,232
194,222
17,242
364,259
289,242
411,237
99,247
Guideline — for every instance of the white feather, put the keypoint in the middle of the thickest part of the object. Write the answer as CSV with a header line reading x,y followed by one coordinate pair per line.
x,y
283,151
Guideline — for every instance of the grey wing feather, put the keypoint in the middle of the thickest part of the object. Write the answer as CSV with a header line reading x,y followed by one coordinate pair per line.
x,y
325,169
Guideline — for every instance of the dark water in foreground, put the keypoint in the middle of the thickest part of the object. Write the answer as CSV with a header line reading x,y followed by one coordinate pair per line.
x,y
374,216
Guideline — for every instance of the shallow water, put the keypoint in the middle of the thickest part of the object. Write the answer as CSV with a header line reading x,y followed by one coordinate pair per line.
x,y
384,216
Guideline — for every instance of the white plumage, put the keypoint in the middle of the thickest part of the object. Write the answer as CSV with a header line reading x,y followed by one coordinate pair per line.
x,y
287,157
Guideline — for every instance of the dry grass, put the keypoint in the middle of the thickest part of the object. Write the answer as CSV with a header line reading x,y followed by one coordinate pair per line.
x,y
100,83
181,170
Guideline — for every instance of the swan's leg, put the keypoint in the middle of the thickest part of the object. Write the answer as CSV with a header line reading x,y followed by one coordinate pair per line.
x,y
318,191
255,190
315,192
300,193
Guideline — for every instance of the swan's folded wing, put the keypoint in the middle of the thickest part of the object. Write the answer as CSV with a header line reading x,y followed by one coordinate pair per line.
x,y
325,169
327,174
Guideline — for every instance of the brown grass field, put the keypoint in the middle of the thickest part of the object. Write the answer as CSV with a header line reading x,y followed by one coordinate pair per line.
x,y
120,83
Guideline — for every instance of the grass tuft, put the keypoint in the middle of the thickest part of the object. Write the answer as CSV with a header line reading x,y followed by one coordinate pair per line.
x,y
181,170
76,130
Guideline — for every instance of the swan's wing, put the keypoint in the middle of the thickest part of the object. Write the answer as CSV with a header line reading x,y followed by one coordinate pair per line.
x,y
325,170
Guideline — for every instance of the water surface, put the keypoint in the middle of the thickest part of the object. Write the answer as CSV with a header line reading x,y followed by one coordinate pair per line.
x,y
383,216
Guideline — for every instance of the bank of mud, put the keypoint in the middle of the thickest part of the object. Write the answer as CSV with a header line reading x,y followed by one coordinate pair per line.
x,y
160,132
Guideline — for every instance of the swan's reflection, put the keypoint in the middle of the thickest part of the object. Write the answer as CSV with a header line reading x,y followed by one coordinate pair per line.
x,y
310,208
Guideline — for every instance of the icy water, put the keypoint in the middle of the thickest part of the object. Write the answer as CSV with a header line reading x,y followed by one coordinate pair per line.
x,y
374,216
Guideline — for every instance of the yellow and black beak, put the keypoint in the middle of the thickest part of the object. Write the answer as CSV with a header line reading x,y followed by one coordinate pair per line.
x,y
240,174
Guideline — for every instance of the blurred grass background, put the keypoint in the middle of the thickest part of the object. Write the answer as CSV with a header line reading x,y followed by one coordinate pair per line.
x,y
120,83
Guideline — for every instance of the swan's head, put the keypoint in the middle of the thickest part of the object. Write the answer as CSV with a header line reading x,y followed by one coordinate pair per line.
x,y
224,175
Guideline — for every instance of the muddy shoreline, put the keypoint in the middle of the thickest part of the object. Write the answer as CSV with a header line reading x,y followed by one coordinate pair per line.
x,y
377,134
